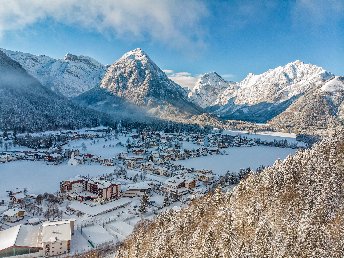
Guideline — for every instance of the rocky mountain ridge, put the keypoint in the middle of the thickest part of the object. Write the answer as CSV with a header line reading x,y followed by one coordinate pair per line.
x,y
69,76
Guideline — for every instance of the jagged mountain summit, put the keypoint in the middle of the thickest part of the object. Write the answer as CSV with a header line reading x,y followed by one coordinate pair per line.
x,y
26,105
260,98
208,88
138,80
281,83
70,76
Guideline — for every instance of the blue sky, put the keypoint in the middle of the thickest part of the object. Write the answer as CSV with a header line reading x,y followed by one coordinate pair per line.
x,y
190,37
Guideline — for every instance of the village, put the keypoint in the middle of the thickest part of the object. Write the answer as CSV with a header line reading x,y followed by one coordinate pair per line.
x,y
143,178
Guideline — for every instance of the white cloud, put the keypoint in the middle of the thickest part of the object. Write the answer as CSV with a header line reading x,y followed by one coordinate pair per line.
x,y
184,79
189,80
228,76
168,71
176,23
318,12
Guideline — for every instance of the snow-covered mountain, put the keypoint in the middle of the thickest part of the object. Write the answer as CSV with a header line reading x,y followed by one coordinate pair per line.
x,y
276,85
138,80
139,86
281,83
318,108
259,98
70,76
26,105
335,85
208,89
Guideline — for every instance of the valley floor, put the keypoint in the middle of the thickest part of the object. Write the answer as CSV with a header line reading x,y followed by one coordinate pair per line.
x,y
96,225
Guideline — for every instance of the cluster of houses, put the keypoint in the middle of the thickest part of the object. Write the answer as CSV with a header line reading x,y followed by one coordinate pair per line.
x,y
102,189
14,213
51,157
53,143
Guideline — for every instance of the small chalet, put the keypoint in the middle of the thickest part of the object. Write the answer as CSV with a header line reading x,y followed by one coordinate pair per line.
x,y
137,189
13,215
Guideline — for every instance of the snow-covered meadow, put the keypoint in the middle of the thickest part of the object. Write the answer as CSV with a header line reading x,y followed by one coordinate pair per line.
x,y
39,178
268,136
237,158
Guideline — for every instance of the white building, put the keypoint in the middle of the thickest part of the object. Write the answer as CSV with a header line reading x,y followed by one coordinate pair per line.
x,y
20,240
56,237
136,189
45,240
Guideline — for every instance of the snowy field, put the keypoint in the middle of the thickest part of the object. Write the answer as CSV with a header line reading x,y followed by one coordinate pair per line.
x,y
100,147
238,157
39,178
267,136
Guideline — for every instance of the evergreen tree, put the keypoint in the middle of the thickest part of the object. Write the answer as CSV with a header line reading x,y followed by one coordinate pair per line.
x,y
144,203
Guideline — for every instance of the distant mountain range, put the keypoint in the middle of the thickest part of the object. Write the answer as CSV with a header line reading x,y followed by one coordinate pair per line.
x,y
294,96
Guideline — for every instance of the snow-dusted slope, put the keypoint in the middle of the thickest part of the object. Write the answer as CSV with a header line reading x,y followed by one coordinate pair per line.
x,y
334,85
318,108
137,79
208,89
70,76
279,84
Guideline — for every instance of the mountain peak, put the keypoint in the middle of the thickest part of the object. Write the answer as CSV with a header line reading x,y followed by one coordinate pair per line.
x,y
136,54
297,62
70,57
136,78
211,74
207,89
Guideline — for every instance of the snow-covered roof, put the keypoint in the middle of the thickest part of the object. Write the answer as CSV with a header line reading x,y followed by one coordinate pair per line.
x,y
33,220
56,231
8,237
20,235
178,179
99,209
102,183
137,186
19,196
11,212
28,236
